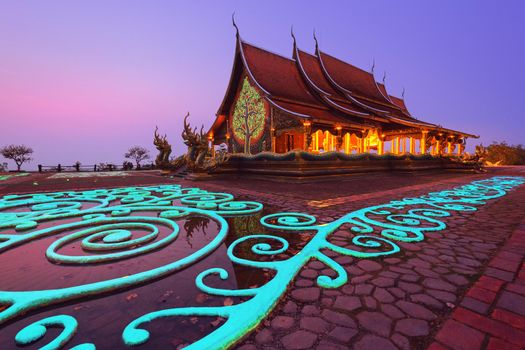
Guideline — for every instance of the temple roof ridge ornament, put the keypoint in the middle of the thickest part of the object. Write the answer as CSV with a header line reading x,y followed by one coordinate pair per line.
x,y
297,58
347,93
235,25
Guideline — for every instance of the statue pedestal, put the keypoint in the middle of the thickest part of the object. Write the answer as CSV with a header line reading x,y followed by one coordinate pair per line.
x,y
197,176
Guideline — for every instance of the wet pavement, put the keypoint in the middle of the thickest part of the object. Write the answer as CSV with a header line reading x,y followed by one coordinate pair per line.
x,y
460,288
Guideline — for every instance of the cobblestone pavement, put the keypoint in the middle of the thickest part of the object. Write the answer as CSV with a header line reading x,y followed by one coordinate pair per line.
x,y
430,290
461,288
492,313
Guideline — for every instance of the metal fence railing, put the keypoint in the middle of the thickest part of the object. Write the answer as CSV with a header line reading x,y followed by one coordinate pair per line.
x,y
94,167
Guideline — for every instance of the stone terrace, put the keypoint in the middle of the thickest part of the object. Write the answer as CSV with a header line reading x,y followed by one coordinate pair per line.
x,y
407,300
461,288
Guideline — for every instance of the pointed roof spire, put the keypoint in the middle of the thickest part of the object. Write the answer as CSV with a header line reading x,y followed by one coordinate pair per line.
x,y
293,36
373,66
316,43
235,24
384,77
403,93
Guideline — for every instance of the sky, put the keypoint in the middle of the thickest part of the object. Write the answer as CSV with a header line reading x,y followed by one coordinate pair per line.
x,y
84,80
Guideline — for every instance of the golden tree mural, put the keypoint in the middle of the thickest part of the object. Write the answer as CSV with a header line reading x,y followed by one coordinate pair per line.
x,y
248,115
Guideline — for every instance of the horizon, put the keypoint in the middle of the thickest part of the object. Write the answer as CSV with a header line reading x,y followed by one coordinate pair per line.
x,y
85,81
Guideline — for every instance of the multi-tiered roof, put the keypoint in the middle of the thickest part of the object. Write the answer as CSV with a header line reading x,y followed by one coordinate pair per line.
x,y
322,89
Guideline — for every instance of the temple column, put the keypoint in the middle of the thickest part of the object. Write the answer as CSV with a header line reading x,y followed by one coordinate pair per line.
x,y
397,144
272,131
403,145
462,143
423,143
437,149
449,147
412,145
307,135
339,138
273,139
362,144
381,144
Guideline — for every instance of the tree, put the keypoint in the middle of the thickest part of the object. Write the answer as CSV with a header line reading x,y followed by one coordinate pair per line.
x,y
248,115
17,153
505,154
138,154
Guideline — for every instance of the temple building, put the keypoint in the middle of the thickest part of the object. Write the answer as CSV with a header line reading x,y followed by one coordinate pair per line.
x,y
318,103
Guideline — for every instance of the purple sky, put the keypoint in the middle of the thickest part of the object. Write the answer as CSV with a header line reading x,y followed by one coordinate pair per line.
x,y
84,80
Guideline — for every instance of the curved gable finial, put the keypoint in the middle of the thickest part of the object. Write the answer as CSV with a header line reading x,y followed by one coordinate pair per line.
x,y
403,93
373,65
384,77
293,36
235,24
316,43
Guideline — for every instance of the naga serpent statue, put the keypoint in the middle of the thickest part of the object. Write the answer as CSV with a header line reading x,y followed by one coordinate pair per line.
x,y
162,144
198,157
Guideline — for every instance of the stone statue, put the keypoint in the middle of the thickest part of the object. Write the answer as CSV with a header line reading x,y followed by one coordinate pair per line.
x,y
164,148
198,157
197,144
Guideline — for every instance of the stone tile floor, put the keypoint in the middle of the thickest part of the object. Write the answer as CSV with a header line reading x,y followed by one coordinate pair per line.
x,y
461,288
405,301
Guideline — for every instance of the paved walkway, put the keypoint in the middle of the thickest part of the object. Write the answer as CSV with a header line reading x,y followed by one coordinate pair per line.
x,y
461,288
409,300
492,313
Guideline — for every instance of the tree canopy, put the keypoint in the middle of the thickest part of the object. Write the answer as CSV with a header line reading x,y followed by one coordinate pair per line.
x,y
505,154
138,154
20,154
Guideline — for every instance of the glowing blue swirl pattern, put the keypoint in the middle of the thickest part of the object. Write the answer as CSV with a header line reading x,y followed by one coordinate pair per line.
x,y
107,229
376,229
37,330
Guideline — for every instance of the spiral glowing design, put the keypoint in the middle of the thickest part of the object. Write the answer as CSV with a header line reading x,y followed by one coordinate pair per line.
x,y
114,235
105,224
37,330
376,229
107,230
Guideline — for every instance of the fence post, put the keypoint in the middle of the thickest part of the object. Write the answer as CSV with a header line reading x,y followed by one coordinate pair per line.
x,y
59,167
110,166
39,168
95,168
77,166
